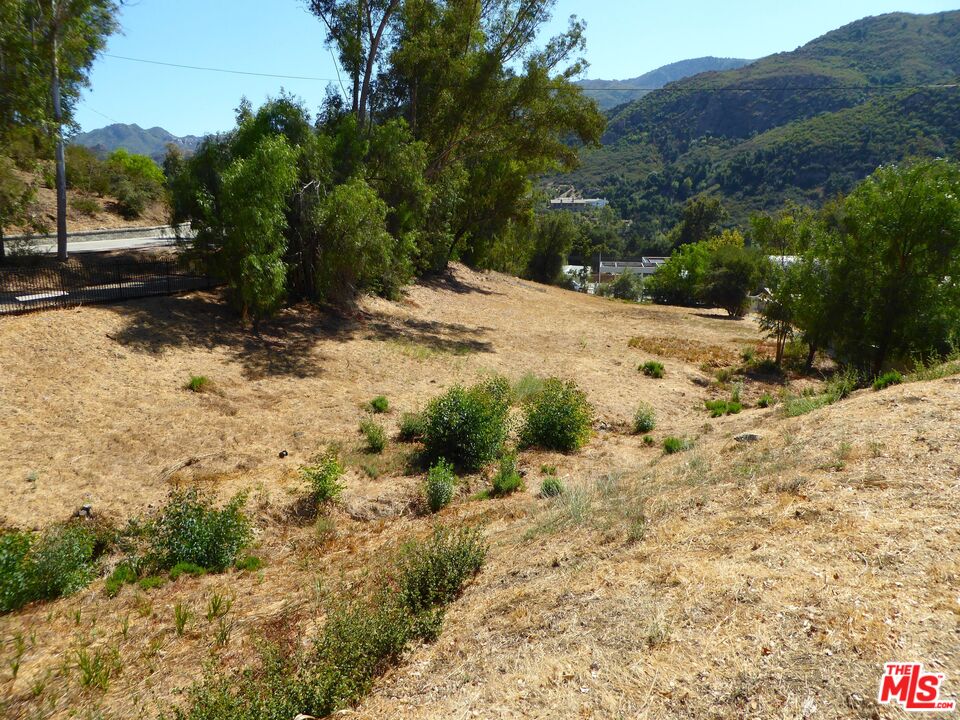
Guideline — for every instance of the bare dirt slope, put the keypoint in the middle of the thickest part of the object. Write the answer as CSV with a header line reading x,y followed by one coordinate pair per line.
x,y
767,580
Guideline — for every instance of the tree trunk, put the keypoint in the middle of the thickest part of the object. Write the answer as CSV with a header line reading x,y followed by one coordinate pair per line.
x,y
61,162
811,355
3,249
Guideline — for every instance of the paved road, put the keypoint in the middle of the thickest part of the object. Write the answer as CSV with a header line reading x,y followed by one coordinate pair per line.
x,y
86,246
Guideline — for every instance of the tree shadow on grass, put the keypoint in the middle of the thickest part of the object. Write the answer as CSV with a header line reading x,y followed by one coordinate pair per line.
x,y
287,344
284,346
448,281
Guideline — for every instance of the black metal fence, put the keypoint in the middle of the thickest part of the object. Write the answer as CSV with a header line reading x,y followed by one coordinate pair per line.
x,y
44,285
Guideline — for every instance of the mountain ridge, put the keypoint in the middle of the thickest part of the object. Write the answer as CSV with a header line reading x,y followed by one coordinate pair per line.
x,y
133,138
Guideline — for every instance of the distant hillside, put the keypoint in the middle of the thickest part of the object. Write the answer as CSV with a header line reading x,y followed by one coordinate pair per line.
x,y
152,142
801,125
611,93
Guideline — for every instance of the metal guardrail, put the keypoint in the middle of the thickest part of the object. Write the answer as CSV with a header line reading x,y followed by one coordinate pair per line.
x,y
49,285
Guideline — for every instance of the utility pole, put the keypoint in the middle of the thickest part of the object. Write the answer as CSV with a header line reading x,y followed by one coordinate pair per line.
x,y
58,130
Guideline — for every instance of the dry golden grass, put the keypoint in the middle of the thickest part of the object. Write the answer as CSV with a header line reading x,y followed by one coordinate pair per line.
x,y
765,580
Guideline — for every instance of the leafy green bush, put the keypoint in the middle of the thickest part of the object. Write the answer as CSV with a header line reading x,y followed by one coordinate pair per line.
x,y
189,529
324,478
645,419
411,427
887,379
374,434
766,400
380,404
131,200
468,426
249,563
551,487
507,480
652,369
439,487
58,562
648,441
627,286
558,417
673,445
431,573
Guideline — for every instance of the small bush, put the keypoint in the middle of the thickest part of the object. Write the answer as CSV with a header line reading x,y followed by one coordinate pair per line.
x,y
439,486
468,426
507,480
123,574
374,434
558,417
190,530
887,379
131,200
431,573
151,582
186,568
324,478
198,383
58,562
379,404
249,563
645,419
85,205
648,441
719,408
766,400
551,487
411,427
652,369
765,366
673,445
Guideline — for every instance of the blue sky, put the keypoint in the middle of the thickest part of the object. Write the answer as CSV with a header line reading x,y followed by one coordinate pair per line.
x,y
625,38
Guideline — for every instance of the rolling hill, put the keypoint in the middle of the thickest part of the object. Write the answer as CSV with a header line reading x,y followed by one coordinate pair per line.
x,y
612,93
152,142
800,125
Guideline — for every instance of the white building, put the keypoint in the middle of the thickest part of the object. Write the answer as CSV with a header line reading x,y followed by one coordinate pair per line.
x,y
577,204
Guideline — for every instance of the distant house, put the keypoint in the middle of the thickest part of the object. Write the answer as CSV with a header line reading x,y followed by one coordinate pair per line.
x,y
577,204
644,267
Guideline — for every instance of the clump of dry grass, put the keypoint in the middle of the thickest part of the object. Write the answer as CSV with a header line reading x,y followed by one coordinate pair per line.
x,y
690,351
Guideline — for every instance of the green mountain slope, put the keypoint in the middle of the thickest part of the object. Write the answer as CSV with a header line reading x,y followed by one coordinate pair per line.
x,y
801,125
611,93
152,142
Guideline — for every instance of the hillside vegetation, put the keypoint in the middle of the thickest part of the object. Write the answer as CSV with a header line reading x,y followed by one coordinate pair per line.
x,y
801,125
611,93
729,579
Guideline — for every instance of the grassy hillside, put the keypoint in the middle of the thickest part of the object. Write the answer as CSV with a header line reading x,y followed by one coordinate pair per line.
x,y
760,579
802,124
611,93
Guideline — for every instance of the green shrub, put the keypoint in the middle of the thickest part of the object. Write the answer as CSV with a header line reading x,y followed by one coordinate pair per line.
x,y
645,419
648,440
123,574
374,435
673,445
719,408
60,561
190,530
198,383
324,478
507,480
551,487
85,205
131,200
439,486
887,379
249,563
411,427
627,286
558,417
468,426
186,568
652,369
380,404
766,400
431,573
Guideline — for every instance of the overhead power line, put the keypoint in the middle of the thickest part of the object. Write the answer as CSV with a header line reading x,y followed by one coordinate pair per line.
x,y
618,88
220,70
